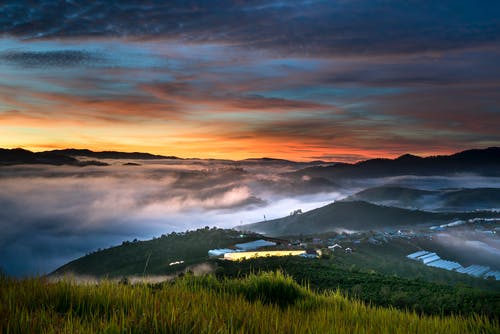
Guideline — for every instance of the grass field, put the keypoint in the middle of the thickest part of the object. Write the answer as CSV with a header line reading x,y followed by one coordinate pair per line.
x,y
264,303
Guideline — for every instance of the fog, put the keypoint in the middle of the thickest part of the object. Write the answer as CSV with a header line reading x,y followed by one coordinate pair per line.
x,y
426,182
469,247
50,215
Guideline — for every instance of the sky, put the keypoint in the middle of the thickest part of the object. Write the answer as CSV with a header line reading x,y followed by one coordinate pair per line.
x,y
301,80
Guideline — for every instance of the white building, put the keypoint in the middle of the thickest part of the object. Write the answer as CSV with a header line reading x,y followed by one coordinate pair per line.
x,y
254,245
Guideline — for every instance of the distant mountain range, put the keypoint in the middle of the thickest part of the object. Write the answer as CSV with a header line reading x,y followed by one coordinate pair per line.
x,y
20,156
479,161
357,216
110,154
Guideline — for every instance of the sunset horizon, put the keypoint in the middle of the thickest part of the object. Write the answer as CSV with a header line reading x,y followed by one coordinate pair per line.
x,y
349,156
345,81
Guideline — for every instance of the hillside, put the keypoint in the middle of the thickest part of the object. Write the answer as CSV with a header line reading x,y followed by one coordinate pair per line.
x,y
401,195
153,257
480,161
447,199
479,198
356,215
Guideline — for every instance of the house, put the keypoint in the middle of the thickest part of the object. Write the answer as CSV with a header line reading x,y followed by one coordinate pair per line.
x,y
333,247
310,253
414,256
348,250
316,241
254,245
220,252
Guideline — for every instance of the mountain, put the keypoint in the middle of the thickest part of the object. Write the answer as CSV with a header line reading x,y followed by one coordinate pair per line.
x,y
443,200
19,156
109,154
402,195
355,215
282,162
479,198
480,161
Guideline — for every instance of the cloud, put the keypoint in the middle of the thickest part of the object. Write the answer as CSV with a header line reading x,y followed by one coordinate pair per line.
x,y
342,27
466,245
226,98
64,58
52,215
219,99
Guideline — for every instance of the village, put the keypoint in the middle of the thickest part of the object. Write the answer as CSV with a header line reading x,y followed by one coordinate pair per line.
x,y
327,244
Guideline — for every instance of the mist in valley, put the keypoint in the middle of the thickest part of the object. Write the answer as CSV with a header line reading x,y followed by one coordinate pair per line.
x,y
53,214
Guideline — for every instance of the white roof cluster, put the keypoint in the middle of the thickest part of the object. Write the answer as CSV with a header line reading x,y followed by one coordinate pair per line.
x,y
474,270
433,260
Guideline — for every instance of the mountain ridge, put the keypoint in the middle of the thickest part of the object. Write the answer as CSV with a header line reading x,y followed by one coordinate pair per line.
x,y
19,156
483,161
355,216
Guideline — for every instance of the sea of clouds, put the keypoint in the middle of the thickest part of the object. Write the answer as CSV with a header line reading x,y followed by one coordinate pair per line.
x,y
50,215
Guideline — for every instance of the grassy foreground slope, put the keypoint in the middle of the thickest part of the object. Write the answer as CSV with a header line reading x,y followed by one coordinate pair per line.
x,y
267,303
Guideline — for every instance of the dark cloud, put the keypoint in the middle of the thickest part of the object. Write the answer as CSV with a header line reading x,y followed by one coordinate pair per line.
x,y
457,68
256,102
66,58
306,27
227,97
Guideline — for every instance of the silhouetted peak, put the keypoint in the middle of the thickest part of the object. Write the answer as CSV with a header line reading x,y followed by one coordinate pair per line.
x,y
408,157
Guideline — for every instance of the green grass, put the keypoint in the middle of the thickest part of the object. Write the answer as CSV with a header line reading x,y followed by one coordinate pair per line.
x,y
264,303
